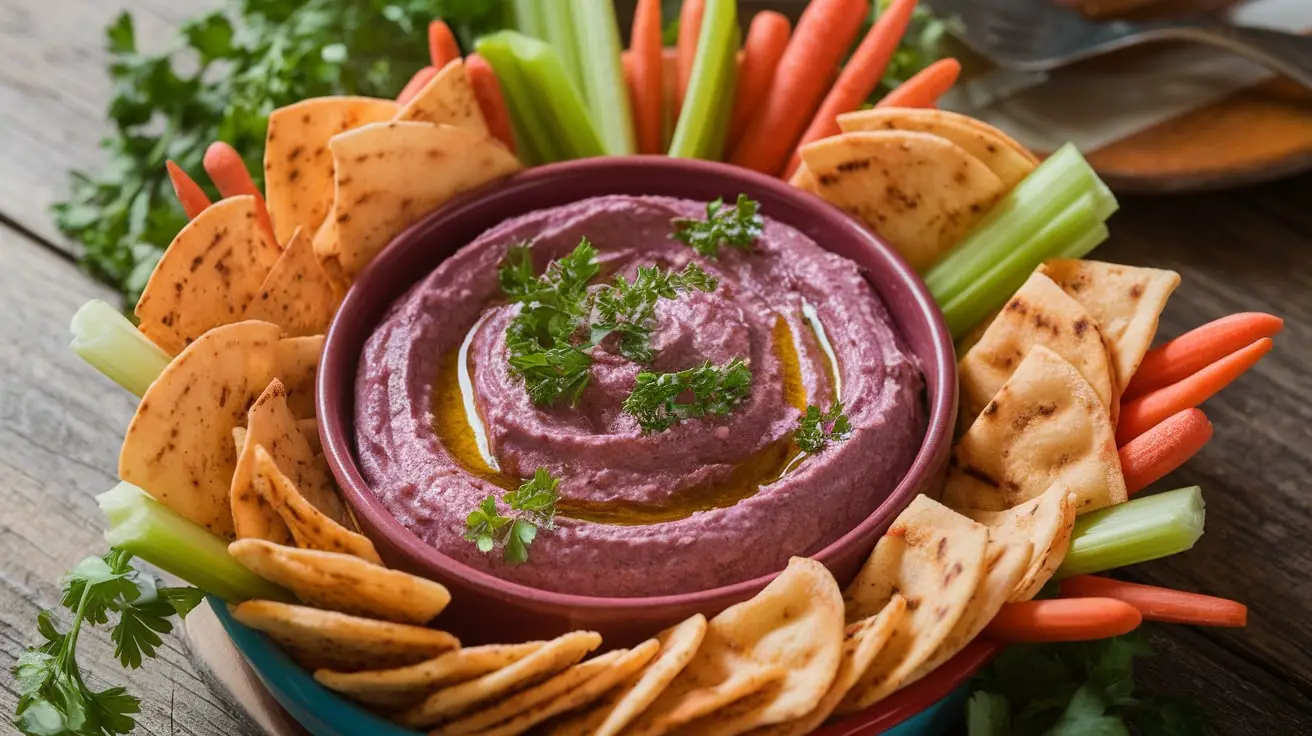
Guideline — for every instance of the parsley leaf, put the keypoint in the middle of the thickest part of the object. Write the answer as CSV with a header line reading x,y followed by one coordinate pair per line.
x,y
661,400
738,226
629,310
816,429
532,507
484,523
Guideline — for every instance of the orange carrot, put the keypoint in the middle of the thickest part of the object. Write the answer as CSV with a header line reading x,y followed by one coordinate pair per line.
x,y
646,86
1147,458
690,27
925,87
229,174
1145,412
442,46
1063,619
189,193
860,76
824,34
1199,348
767,38
487,90
416,83
1160,604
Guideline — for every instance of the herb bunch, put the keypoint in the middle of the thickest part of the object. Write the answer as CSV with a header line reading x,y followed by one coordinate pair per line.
x,y
53,698
738,226
532,507
816,429
661,400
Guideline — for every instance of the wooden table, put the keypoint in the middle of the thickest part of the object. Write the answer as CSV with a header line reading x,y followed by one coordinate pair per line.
x,y
61,423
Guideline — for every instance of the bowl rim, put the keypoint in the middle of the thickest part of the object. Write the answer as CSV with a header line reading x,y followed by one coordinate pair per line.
x,y
339,360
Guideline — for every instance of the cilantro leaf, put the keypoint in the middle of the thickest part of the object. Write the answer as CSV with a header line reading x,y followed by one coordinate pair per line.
x,y
535,499
816,429
521,535
532,506
484,523
738,226
661,400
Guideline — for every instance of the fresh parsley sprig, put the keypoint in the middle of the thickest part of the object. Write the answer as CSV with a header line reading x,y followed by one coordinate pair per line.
x,y
661,400
53,699
738,226
532,507
816,429
629,309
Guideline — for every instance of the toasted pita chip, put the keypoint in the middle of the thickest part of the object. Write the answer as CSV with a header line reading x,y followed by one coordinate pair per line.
x,y
690,697
1126,302
1046,524
619,708
297,295
390,175
209,274
327,639
933,557
1046,427
310,431
1040,313
455,700
310,527
803,179
298,362
447,99
918,192
865,639
298,168
405,686
344,583
1005,157
178,447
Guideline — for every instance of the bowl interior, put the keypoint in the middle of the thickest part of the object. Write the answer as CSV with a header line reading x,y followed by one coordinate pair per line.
x,y
416,252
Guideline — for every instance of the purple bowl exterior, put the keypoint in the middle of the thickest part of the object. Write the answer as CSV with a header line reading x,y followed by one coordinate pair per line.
x,y
484,607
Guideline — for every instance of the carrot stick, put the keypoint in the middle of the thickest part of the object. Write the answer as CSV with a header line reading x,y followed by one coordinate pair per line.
x,y
442,46
924,89
1199,348
824,34
229,174
416,83
690,27
860,76
1145,412
1160,604
645,84
1147,458
1063,619
487,90
190,195
767,38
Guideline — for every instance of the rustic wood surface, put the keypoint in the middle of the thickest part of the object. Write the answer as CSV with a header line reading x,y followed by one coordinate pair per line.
x,y
60,423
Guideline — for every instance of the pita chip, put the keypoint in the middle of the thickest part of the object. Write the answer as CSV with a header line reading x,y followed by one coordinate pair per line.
x,y
298,364
803,179
447,99
297,295
207,276
404,686
310,527
1045,523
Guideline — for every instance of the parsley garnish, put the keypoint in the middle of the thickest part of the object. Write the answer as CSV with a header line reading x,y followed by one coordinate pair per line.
x,y
817,429
532,507
629,310
661,400
53,699
738,226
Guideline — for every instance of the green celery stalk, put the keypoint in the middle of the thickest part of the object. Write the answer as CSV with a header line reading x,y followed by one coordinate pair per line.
x,y
1080,247
159,535
701,129
990,290
532,138
529,18
597,38
559,30
1144,529
107,340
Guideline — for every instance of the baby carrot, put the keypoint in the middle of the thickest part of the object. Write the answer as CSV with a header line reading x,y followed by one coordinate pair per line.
x,y
861,74
487,90
190,195
643,66
420,79
1150,456
824,34
690,27
1160,604
229,174
767,38
1063,619
1199,348
442,46
1141,414
924,89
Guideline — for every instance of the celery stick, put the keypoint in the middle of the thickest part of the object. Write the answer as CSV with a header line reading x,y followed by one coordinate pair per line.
x,y
532,137
558,29
1137,531
1080,247
159,535
529,18
597,37
107,340
700,131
